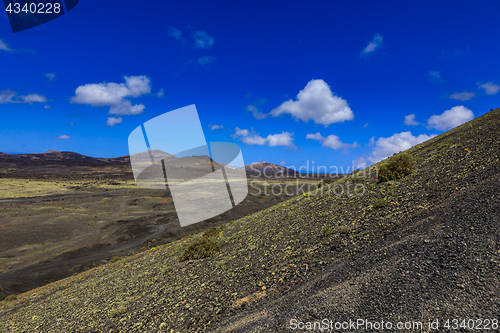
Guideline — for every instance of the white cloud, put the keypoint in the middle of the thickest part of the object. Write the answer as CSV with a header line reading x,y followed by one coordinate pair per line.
x,y
63,137
282,163
33,98
202,40
373,45
410,120
160,93
113,95
317,102
6,96
215,127
331,141
463,96
272,140
385,147
4,46
454,117
283,139
50,76
175,33
490,88
435,77
256,113
112,121
125,108
315,137
46,107
9,96
365,126
205,60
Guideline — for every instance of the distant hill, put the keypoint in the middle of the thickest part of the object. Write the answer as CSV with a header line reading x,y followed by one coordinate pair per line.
x,y
268,168
52,155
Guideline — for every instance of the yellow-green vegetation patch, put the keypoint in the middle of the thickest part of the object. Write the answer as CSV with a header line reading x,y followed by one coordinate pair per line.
x,y
26,188
202,248
379,202
20,188
398,166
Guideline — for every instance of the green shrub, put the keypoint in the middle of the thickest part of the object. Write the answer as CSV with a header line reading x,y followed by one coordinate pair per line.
x,y
202,248
212,232
325,181
344,229
115,259
379,203
11,298
327,232
397,167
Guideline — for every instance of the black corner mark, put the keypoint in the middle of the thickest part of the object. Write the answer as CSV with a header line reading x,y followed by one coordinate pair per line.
x,y
27,14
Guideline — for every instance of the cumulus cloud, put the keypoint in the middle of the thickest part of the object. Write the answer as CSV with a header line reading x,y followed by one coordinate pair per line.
x,y
284,139
160,93
33,98
202,40
435,77
114,95
410,120
256,113
315,137
4,46
175,33
63,137
490,88
46,107
454,117
317,102
50,76
215,127
373,45
385,147
463,96
9,96
112,121
331,141
282,163
205,60
253,138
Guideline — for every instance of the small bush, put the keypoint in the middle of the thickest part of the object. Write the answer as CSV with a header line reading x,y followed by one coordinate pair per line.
x,y
398,166
11,298
212,232
115,259
203,248
326,181
327,232
379,203
344,229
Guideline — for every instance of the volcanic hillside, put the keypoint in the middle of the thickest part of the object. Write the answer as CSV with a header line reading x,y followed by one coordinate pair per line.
x,y
419,248
264,168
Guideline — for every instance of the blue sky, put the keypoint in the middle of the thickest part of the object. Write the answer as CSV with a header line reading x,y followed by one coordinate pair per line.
x,y
271,75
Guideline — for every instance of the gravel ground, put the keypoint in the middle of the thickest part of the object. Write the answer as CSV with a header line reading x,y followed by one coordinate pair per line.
x,y
432,253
